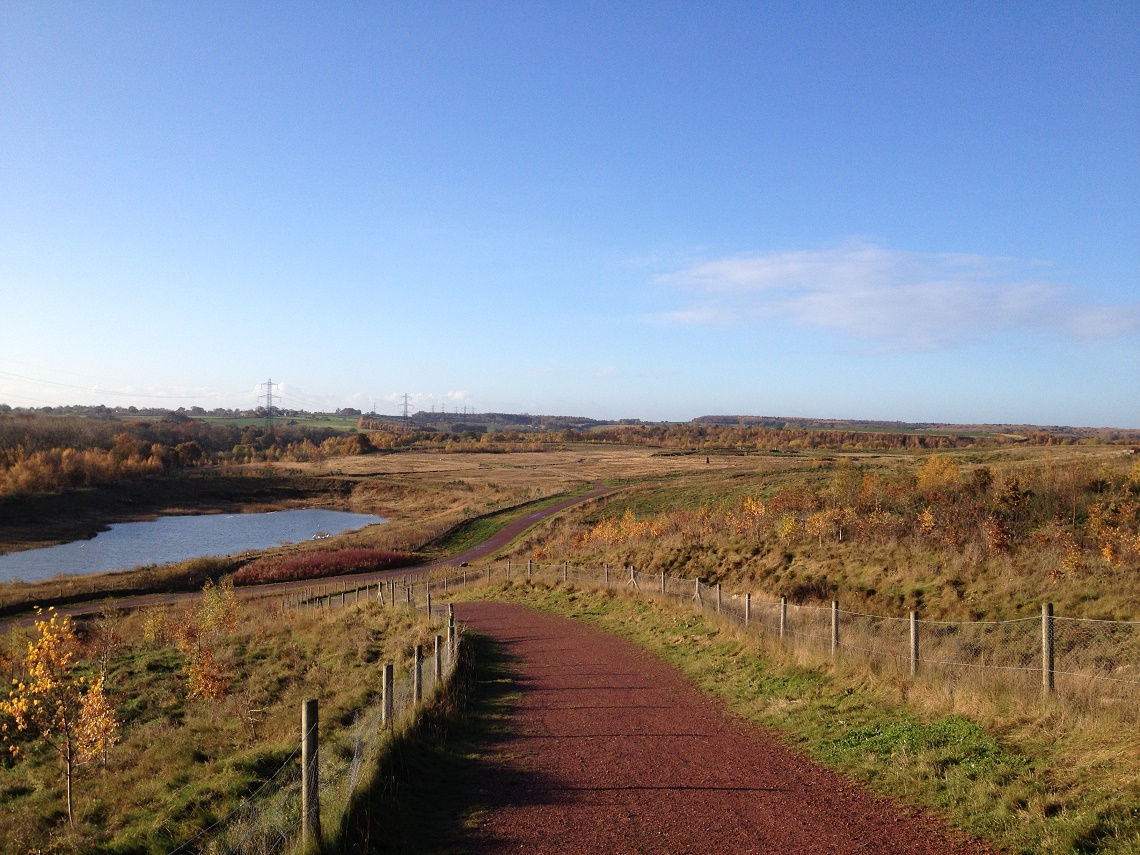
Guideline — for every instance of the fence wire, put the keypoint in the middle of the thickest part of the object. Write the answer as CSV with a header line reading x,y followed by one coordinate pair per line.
x,y
1094,661
269,821
1096,664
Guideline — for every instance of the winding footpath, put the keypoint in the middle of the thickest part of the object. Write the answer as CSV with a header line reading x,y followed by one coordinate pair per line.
x,y
611,750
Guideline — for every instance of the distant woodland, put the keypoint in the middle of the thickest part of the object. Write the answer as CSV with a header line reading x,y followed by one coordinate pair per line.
x,y
48,451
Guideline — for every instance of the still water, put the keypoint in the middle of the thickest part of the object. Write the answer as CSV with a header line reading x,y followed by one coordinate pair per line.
x,y
169,539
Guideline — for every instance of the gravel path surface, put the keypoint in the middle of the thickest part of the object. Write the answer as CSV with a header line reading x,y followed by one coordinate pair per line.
x,y
612,750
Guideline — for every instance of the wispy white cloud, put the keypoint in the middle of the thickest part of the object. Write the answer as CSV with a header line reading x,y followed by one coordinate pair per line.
x,y
891,299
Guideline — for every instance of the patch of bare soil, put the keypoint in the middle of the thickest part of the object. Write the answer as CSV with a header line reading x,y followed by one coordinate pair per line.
x,y
612,750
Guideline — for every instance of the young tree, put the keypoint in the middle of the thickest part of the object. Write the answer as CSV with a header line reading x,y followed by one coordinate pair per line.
x,y
54,703
98,724
216,615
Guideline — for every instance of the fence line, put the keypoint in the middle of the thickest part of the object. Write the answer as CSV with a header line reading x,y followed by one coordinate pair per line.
x,y
1092,649
273,818
1097,661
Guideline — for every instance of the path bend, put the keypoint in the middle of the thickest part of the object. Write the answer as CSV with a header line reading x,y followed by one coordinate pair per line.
x,y
612,750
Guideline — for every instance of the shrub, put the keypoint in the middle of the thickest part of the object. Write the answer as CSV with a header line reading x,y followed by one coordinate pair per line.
x,y
319,564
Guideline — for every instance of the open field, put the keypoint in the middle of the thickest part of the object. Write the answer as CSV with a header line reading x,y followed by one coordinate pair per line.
x,y
950,570
326,420
1005,531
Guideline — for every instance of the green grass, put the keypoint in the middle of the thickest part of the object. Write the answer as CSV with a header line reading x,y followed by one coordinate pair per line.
x,y
1020,789
470,534
182,762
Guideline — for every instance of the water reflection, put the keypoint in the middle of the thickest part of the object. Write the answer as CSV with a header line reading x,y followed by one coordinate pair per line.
x,y
169,539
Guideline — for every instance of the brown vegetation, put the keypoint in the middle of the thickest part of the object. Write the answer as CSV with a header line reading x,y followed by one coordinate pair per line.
x,y
317,565
944,534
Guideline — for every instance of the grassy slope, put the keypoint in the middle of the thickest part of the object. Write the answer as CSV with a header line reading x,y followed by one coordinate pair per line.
x,y
476,531
1027,780
427,794
182,763
888,575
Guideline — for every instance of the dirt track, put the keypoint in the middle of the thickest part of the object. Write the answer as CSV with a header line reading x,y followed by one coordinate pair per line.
x,y
506,535
612,750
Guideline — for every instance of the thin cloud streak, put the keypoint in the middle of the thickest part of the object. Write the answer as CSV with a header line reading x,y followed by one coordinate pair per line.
x,y
894,300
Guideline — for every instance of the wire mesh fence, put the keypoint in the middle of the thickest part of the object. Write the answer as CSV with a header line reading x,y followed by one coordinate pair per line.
x,y
1087,663
270,820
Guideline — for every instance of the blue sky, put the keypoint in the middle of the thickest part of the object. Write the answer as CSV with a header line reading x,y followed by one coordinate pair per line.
x,y
924,212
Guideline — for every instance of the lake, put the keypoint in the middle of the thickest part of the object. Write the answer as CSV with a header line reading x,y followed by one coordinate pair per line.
x,y
178,538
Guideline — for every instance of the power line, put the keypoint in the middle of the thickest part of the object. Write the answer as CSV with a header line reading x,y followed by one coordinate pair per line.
x,y
268,402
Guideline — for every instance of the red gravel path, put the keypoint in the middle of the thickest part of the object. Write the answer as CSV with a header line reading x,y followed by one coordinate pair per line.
x,y
612,750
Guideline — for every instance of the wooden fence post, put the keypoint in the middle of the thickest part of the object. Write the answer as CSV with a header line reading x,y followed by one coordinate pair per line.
x,y
528,568
834,627
697,592
747,608
565,571
310,780
451,640
662,581
718,598
418,675
606,567
427,598
388,697
913,643
1047,682
783,616
438,658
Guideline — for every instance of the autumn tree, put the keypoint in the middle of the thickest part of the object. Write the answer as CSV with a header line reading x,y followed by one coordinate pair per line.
x,y
196,633
939,474
57,706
